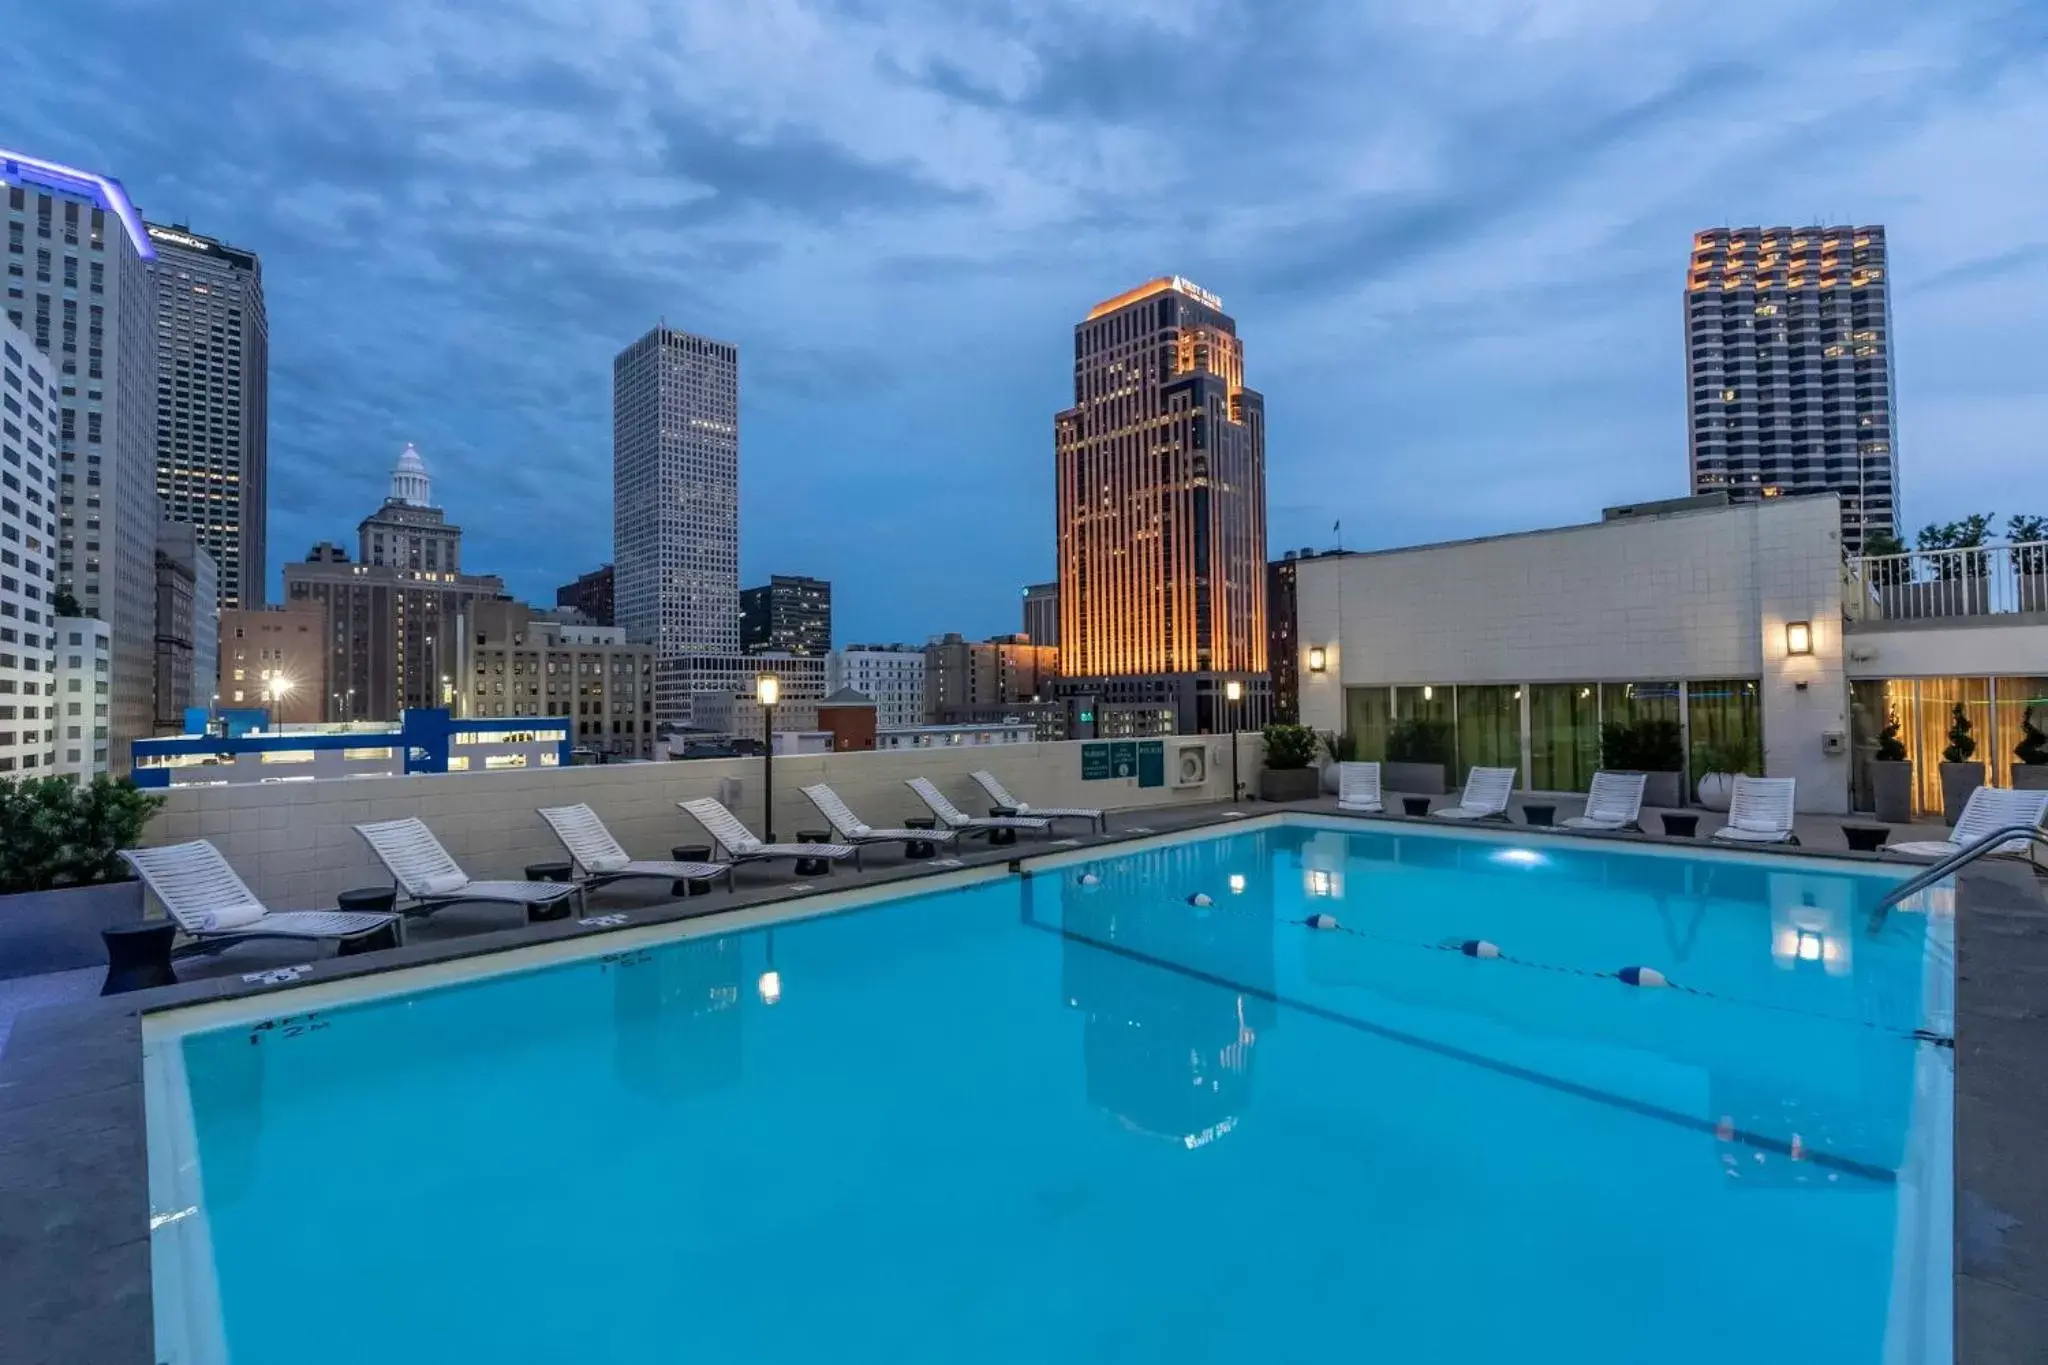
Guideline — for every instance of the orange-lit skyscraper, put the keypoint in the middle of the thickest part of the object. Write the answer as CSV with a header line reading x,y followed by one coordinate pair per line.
x,y
1162,516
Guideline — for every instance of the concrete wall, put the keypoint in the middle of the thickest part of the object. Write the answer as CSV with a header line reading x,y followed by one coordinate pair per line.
x,y
1694,595
2009,646
293,842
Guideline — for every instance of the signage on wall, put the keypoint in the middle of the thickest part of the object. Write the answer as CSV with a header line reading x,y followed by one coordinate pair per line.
x,y
1125,758
1094,762
1152,763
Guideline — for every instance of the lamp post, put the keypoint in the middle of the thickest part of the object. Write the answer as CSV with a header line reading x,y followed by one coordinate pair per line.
x,y
767,689
278,687
1233,692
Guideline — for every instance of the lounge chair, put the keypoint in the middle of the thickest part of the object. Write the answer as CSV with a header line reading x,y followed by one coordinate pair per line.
x,y
593,849
1485,796
1000,794
1988,810
1358,788
1760,812
216,908
740,844
1615,802
952,817
425,872
848,826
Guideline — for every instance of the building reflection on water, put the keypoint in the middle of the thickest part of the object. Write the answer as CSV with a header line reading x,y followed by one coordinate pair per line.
x,y
1175,1004
677,1017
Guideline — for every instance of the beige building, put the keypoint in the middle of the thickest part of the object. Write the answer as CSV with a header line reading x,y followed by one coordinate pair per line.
x,y
962,675
277,657
521,664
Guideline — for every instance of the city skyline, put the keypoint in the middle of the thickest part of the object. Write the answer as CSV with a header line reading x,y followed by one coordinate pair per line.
x,y
901,296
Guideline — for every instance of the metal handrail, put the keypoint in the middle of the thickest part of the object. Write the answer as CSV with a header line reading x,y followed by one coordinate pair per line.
x,y
1990,843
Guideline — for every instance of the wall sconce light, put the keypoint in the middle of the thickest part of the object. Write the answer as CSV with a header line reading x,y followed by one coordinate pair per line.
x,y
1318,659
1799,637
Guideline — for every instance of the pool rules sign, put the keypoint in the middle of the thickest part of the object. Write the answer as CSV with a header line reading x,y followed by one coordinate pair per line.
x,y
1125,758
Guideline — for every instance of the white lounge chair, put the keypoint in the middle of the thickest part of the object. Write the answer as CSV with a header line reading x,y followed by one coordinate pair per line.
x,y
1988,810
1760,812
216,908
1358,788
425,872
1485,796
593,849
848,826
740,844
1615,802
1000,794
952,817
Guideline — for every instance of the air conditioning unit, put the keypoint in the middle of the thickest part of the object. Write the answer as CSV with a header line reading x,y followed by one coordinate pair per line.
x,y
1190,765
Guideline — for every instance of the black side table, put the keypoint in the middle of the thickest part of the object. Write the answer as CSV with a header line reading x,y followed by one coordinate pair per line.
x,y
920,848
1415,805
813,867
1539,813
547,872
1865,838
368,900
690,853
557,909
139,955
1681,824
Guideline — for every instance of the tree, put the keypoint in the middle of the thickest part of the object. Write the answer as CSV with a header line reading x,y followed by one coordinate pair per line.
x,y
2030,532
1889,747
64,604
2032,750
1967,534
1960,742
1887,572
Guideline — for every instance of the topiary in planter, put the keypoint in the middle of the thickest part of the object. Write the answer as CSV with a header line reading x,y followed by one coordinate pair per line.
x,y
1290,757
2030,756
1959,775
55,832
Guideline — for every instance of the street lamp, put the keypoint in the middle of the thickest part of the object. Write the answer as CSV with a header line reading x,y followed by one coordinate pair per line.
x,y
767,691
278,686
1233,692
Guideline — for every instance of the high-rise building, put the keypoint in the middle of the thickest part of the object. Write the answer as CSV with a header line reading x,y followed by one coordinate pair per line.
x,y
590,596
1283,649
213,402
1042,613
1788,355
891,676
397,616
675,503
1162,510
526,665
187,624
78,282
84,662
28,559
276,658
788,614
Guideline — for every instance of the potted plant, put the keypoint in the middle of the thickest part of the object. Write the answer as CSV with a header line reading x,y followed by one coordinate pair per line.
x,y
1652,748
61,876
2030,756
1959,776
1417,751
1891,776
1340,748
1718,766
1289,774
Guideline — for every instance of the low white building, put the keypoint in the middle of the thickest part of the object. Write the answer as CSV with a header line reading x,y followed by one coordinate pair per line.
x,y
28,554
1743,626
955,736
891,675
84,657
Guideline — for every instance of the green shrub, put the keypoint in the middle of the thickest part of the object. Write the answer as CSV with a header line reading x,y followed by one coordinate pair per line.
x,y
1290,746
54,832
1419,741
2032,750
1342,748
1890,749
1644,746
1732,757
1961,744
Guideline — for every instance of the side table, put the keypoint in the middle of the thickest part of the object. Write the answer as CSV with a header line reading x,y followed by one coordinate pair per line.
x,y
1539,813
1681,824
921,848
139,955
1865,838
813,867
1415,805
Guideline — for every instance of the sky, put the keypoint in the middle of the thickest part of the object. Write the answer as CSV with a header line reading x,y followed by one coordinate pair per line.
x,y
1453,234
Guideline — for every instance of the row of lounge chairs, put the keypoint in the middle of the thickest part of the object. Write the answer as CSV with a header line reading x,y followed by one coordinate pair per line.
x,y
1760,812
215,908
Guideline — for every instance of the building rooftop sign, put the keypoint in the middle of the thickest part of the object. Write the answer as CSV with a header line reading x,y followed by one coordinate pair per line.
x,y
1179,284
104,190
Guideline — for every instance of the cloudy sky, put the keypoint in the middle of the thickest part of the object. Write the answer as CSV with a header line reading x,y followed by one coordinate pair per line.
x,y
1452,232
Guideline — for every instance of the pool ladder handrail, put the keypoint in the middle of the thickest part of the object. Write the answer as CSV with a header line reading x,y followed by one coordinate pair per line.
x,y
1949,865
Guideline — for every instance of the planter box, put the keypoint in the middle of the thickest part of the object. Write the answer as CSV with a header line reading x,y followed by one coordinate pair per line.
x,y
1665,790
1289,784
1958,780
1891,790
59,931
1717,791
1423,779
2030,777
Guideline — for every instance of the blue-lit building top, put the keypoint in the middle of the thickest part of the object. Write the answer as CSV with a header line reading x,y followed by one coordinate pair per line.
x,y
424,741
104,190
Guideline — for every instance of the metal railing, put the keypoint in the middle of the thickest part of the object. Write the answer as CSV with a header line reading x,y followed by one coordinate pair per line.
x,y
1954,862
1922,585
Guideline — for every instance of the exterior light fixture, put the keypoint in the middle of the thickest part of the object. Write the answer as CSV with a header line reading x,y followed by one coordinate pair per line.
x,y
278,686
1233,690
1233,693
767,691
1799,637
1318,659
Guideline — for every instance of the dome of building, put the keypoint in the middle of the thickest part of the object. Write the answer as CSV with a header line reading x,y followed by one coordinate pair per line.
x,y
410,482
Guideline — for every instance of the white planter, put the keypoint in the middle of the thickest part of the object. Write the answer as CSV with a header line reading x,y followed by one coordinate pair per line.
x,y
1716,790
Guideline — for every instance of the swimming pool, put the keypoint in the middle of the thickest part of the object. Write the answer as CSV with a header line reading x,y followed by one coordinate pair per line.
x,y
1028,1118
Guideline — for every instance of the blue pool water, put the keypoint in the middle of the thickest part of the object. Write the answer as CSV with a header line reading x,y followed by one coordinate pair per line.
x,y
1032,1120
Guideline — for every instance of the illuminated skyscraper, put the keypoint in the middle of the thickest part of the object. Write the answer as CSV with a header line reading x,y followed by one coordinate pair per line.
x,y
1162,513
1788,352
